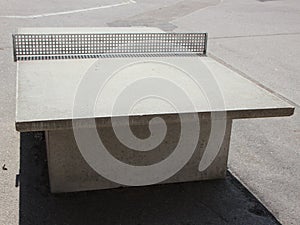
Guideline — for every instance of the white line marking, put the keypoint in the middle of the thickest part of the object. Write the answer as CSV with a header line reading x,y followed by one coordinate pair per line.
x,y
70,12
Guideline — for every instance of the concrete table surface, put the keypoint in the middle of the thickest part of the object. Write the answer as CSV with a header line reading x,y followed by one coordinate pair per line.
x,y
46,89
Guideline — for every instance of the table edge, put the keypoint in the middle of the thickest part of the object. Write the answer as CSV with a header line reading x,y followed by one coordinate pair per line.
x,y
60,124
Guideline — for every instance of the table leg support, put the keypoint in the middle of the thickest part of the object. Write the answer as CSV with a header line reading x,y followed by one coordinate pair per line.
x,y
69,172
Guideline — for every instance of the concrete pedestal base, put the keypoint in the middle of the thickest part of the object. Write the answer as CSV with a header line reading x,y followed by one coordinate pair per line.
x,y
69,172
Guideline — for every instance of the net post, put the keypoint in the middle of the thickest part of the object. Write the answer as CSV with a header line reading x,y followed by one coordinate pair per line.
x,y
205,45
14,47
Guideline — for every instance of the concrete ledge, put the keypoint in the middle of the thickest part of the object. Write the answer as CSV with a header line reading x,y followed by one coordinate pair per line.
x,y
105,122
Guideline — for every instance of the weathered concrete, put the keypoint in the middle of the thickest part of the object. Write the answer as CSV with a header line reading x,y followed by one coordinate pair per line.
x,y
47,88
68,171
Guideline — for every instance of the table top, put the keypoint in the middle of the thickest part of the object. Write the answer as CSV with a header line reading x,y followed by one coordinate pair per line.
x,y
50,93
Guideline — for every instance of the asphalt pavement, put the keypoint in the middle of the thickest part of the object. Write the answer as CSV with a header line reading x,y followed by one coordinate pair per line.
x,y
257,38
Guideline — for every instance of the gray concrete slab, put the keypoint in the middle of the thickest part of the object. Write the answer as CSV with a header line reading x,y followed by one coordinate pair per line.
x,y
46,89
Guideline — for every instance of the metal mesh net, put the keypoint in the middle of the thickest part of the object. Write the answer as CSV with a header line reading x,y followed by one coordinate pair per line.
x,y
49,46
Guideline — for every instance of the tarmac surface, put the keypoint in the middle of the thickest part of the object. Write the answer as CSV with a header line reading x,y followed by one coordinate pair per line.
x,y
257,38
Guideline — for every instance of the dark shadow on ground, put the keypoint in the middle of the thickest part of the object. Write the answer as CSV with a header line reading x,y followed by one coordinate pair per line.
x,y
210,202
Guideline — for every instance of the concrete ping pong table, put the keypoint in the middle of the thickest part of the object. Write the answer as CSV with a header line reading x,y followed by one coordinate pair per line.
x,y
49,76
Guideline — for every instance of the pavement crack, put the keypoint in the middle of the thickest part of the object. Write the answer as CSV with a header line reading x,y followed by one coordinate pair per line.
x,y
214,212
161,17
